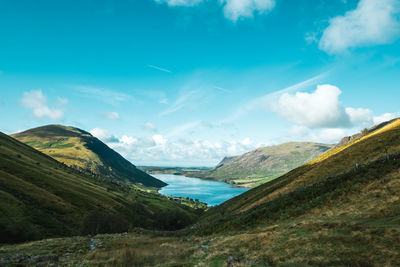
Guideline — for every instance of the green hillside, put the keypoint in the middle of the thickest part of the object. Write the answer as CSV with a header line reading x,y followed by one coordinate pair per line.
x,y
79,149
40,197
263,164
341,209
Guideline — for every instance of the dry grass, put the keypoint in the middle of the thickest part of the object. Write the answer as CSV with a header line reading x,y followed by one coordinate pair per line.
x,y
145,251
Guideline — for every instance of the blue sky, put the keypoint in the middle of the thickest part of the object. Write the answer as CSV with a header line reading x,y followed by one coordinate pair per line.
x,y
186,82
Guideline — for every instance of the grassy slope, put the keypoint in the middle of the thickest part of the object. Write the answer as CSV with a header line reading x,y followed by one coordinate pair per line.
x,y
40,197
264,164
81,150
340,210
369,148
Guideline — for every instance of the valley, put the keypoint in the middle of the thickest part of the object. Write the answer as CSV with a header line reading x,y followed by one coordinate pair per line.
x,y
330,211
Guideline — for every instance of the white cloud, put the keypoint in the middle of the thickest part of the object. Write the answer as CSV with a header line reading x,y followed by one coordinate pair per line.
x,y
233,9
158,68
102,134
150,126
265,101
128,140
184,128
105,95
327,135
37,102
384,117
157,149
318,109
62,101
322,109
159,140
373,22
180,2
360,116
246,141
320,117
186,100
236,9
112,115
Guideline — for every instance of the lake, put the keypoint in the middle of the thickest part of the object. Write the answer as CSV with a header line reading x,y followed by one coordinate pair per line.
x,y
210,192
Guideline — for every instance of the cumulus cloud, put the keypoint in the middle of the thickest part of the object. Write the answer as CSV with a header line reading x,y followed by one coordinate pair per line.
x,y
180,2
373,22
321,108
157,149
112,115
360,116
327,135
103,135
37,102
236,9
233,9
320,116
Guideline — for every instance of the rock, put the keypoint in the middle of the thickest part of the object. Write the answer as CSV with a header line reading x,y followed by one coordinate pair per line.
x,y
295,225
232,261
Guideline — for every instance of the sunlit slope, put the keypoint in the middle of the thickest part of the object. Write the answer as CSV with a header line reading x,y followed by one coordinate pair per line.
x,y
335,171
264,164
79,149
40,197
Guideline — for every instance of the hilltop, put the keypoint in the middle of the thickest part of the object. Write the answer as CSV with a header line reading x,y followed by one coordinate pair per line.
x,y
263,164
80,150
41,197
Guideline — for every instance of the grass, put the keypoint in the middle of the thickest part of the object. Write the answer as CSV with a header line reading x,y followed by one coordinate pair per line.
x,y
262,164
80,150
342,210
42,198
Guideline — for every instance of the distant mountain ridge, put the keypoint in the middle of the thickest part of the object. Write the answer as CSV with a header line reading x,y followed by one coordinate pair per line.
x,y
264,163
79,149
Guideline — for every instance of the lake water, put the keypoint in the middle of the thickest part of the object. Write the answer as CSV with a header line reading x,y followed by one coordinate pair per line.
x,y
210,192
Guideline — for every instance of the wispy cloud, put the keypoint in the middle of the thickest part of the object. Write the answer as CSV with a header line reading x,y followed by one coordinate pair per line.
x,y
222,89
36,101
150,126
159,68
112,115
102,94
182,101
266,100
184,128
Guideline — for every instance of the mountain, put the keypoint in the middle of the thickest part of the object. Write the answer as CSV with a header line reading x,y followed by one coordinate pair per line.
x,y
341,209
263,164
357,179
41,197
79,149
